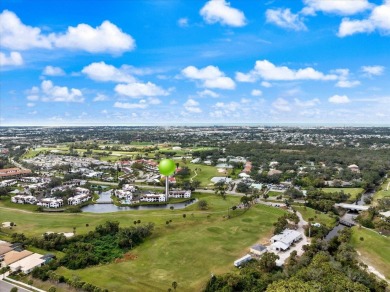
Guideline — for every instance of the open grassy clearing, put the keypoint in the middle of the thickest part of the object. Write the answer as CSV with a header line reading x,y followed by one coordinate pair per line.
x,y
318,217
383,192
187,250
353,192
374,249
275,194
204,173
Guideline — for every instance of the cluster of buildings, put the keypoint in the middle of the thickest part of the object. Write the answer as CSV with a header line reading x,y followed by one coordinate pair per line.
x,y
129,195
279,243
19,259
9,173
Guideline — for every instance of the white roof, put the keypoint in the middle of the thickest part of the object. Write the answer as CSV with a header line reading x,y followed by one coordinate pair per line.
x,y
279,245
287,236
28,262
386,214
216,179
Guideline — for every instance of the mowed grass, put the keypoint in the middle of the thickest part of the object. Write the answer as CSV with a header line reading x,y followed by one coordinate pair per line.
x,y
374,249
187,250
353,192
318,217
205,174
383,192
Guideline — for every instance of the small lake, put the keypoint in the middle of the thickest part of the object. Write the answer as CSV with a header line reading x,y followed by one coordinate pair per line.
x,y
109,208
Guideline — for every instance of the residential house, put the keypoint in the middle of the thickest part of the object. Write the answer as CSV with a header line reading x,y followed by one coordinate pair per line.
x,y
153,198
27,264
51,203
14,256
179,194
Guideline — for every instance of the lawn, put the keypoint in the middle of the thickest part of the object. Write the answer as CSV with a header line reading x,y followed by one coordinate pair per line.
x,y
383,192
187,250
374,249
354,192
275,194
319,217
205,174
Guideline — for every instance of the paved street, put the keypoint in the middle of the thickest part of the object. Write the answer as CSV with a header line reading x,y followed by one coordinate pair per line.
x,y
5,287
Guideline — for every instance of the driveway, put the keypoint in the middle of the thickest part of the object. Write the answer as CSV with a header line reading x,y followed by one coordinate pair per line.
x,y
298,246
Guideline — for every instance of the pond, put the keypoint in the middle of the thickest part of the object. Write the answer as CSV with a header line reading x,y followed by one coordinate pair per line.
x,y
108,208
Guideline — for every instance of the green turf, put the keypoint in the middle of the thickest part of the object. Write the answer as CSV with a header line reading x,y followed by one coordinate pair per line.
x,y
187,251
205,174
383,192
354,192
318,217
374,249
275,194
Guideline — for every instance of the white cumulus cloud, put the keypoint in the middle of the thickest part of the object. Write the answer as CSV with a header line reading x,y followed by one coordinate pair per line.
x,y
339,99
48,92
340,7
220,11
285,18
208,92
347,83
307,103
127,105
373,70
53,71
106,38
15,35
192,106
102,72
266,70
256,92
100,97
379,20
211,77
14,59
138,90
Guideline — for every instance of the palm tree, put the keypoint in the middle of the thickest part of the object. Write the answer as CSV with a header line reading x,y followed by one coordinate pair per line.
x,y
174,285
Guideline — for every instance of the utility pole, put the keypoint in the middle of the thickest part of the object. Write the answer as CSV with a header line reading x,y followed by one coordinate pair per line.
x,y
166,188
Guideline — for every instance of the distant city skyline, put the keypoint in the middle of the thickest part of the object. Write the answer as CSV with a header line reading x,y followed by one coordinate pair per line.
x,y
171,62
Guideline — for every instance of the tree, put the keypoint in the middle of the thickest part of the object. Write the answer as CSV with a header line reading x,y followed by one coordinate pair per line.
x,y
14,289
52,289
268,261
220,189
203,205
174,285
245,201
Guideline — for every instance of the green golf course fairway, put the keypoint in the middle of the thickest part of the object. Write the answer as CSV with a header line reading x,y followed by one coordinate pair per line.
x,y
187,250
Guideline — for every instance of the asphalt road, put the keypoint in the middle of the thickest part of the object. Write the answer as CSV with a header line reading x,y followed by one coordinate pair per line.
x,y
5,287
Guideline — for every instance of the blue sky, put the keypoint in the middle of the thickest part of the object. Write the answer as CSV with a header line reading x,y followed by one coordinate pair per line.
x,y
181,62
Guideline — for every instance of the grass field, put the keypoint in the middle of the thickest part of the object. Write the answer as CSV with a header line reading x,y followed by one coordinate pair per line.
x,y
383,192
275,194
354,192
205,174
374,249
319,217
186,251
